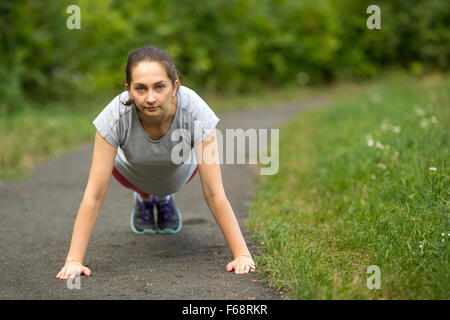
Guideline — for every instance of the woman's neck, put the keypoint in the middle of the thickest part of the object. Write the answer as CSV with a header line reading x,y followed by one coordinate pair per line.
x,y
157,122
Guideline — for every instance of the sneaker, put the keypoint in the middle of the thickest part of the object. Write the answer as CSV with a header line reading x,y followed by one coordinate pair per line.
x,y
169,217
142,218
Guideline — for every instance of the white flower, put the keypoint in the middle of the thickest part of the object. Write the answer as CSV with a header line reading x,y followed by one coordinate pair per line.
x,y
379,145
385,126
373,177
420,246
396,129
424,123
382,165
432,169
370,142
418,111
433,119
443,234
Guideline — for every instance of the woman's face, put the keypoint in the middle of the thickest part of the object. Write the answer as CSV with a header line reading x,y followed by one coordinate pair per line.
x,y
151,88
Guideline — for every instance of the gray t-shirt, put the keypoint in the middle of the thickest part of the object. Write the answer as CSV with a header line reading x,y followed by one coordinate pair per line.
x,y
149,164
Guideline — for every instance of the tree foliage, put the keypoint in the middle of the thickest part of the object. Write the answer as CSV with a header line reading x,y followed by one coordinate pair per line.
x,y
234,45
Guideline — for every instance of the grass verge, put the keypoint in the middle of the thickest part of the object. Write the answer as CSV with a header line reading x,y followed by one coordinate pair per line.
x,y
362,182
37,133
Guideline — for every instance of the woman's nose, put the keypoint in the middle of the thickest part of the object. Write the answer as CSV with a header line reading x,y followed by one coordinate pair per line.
x,y
151,97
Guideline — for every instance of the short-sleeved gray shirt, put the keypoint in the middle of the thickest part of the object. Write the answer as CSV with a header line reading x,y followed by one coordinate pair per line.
x,y
148,163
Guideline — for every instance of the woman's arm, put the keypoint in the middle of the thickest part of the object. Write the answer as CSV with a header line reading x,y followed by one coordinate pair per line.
x,y
214,194
94,195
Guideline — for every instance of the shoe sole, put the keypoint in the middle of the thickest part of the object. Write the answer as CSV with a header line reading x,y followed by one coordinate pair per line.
x,y
172,231
145,231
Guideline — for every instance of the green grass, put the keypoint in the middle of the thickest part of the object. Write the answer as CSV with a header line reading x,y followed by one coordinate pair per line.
x,y
338,205
37,133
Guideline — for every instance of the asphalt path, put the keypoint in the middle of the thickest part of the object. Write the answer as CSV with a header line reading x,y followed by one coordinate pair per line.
x,y
37,217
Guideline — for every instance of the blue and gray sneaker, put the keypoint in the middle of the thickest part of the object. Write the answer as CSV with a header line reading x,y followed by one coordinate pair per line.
x,y
169,217
142,218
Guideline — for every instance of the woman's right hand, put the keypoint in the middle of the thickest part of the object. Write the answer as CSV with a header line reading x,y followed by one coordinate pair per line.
x,y
71,269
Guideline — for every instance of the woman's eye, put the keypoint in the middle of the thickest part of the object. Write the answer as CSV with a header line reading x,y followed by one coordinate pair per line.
x,y
159,87
140,89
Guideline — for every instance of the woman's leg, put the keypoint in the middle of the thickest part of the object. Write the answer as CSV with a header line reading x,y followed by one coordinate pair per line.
x,y
127,184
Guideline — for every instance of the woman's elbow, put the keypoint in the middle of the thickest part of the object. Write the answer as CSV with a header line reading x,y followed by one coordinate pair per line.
x,y
212,196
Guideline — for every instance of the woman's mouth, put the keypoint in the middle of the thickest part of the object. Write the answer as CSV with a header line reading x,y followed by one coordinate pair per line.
x,y
151,108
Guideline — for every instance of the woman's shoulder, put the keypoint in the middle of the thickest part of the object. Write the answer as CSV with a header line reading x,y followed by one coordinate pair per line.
x,y
197,110
187,94
115,111
116,107
191,100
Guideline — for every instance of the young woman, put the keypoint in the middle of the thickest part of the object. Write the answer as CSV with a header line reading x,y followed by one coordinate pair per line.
x,y
136,142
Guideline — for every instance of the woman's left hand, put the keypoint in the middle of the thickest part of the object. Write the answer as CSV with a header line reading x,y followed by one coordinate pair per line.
x,y
241,265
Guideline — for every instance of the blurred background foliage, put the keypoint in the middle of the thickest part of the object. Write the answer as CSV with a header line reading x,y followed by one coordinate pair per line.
x,y
223,46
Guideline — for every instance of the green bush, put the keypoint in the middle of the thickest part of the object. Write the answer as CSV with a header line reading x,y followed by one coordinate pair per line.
x,y
236,45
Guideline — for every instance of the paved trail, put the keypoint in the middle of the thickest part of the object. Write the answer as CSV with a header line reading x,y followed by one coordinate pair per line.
x,y
37,217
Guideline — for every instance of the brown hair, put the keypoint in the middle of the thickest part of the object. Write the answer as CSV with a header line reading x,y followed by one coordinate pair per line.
x,y
149,53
